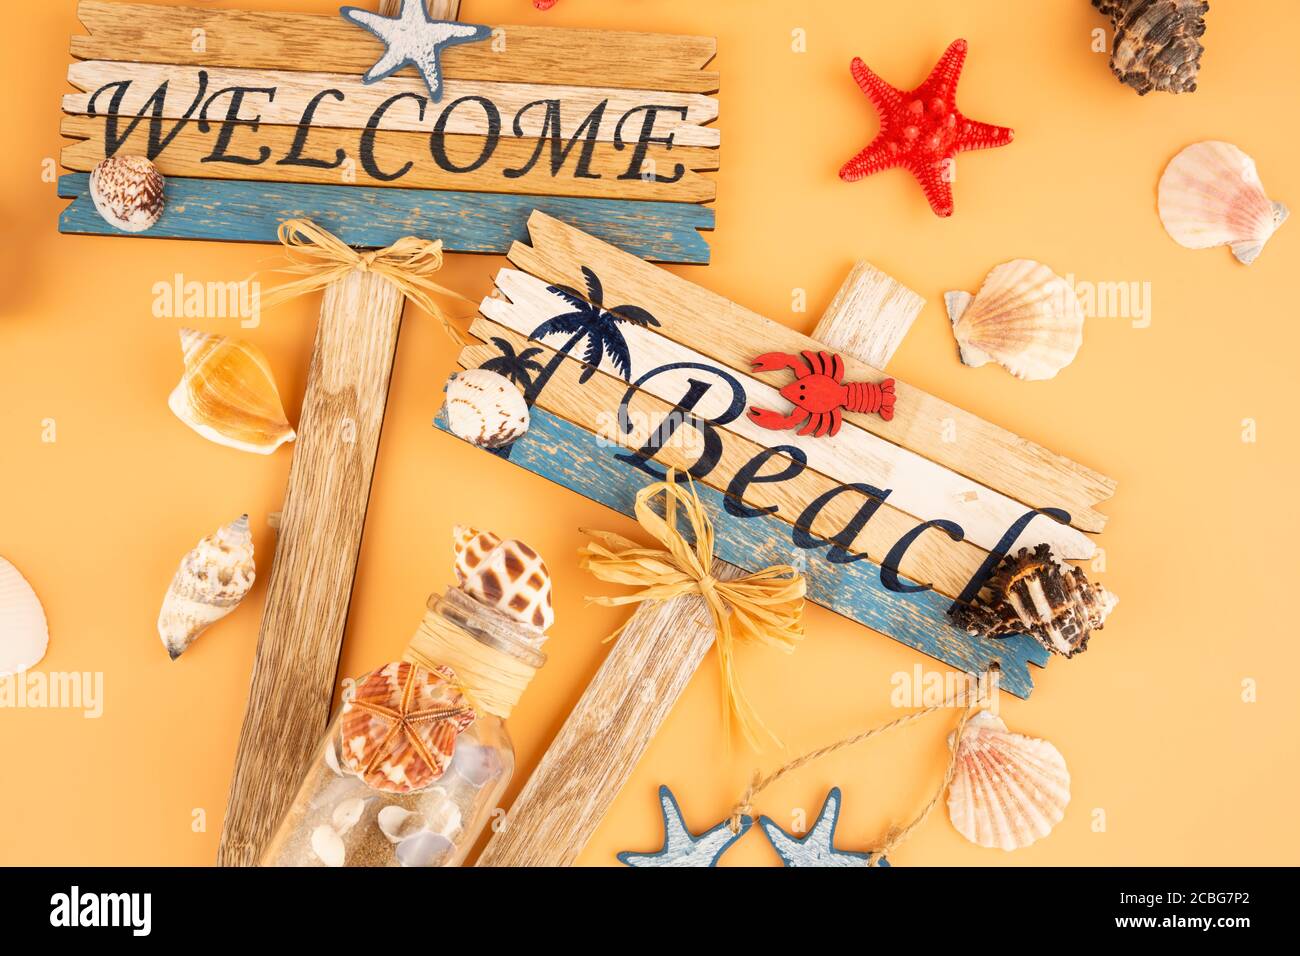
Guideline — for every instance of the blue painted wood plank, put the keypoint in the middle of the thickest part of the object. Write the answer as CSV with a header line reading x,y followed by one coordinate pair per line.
x,y
373,216
578,460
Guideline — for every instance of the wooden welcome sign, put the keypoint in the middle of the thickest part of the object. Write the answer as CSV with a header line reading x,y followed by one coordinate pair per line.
x,y
255,118
447,131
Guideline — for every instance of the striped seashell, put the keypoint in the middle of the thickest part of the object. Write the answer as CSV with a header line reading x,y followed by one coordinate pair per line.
x,y
210,582
24,633
399,729
228,395
506,575
1009,790
129,192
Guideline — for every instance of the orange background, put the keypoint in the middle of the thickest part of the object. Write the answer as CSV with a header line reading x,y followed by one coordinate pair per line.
x,y
1151,719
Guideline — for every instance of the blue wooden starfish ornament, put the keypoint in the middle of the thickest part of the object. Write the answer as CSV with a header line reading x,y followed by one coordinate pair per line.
x,y
682,849
818,847
413,37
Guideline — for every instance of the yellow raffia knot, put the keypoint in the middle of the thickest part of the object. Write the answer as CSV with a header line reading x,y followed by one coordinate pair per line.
x,y
764,607
320,258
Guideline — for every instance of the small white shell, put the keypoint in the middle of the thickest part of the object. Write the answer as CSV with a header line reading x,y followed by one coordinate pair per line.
x,y
1009,790
398,823
347,813
332,757
210,582
1025,317
1211,195
485,409
129,192
328,845
424,849
444,816
24,633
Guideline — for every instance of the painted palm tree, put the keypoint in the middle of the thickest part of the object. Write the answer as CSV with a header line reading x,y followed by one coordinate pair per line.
x,y
592,323
516,366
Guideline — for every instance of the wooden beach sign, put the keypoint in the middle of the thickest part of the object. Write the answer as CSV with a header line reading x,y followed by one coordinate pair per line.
x,y
255,118
891,520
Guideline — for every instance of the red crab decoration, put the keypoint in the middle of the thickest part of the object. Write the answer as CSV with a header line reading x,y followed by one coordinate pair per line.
x,y
819,392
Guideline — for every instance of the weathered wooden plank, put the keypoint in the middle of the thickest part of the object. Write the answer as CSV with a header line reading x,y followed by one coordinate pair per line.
x,y
320,43
371,217
869,316
578,460
315,557
733,335
917,485
286,96
933,558
606,733
190,152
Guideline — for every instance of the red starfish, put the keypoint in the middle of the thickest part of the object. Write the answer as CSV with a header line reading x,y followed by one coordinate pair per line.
x,y
922,130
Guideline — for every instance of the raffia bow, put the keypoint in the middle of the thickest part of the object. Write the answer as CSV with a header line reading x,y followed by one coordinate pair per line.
x,y
319,258
765,607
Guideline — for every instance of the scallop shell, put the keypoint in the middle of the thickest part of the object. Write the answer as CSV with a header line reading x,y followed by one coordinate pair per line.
x,y
328,845
399,728
485,409
1211,195
210,582
24,633
1025,317
347,813
129,192
1008,790
227,394
506,575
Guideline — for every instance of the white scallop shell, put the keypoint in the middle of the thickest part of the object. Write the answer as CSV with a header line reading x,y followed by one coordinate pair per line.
x,y
210,582
24,633
1211,195
328,845
1025,317
398,823
485,409
129,192
1009,790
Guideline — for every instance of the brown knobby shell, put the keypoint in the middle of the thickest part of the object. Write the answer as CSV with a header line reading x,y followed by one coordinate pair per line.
x,y
1157,44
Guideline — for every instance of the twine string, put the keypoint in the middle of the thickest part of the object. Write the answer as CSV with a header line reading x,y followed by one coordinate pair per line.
x,y
491,680
744,807
318,258
765,607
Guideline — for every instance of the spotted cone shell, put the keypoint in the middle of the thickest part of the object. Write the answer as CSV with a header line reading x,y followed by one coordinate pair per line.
x,y
506,575
1009,790
1025,317
399,728
1211,195
129,192
210,582
228,395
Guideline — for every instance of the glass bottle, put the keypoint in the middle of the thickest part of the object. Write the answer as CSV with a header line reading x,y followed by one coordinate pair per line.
x,y
339,819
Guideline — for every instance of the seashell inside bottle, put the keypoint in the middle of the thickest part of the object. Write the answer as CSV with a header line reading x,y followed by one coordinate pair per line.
x,y
413,767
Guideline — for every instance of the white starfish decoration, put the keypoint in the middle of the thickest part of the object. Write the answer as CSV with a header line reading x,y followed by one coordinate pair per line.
x,y
818,847
682,849
413,37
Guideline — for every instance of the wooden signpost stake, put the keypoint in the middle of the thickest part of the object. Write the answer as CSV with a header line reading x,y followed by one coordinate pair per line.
x,y
319,539
662,646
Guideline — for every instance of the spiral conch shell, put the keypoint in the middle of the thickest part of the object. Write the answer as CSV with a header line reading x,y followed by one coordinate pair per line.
x,y
1211,195
211,581
506,575
1008,790
24,634
1025,317
227,394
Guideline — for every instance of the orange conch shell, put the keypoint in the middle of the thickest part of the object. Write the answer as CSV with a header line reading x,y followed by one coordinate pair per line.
x,y
399,729
506,575
228,395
